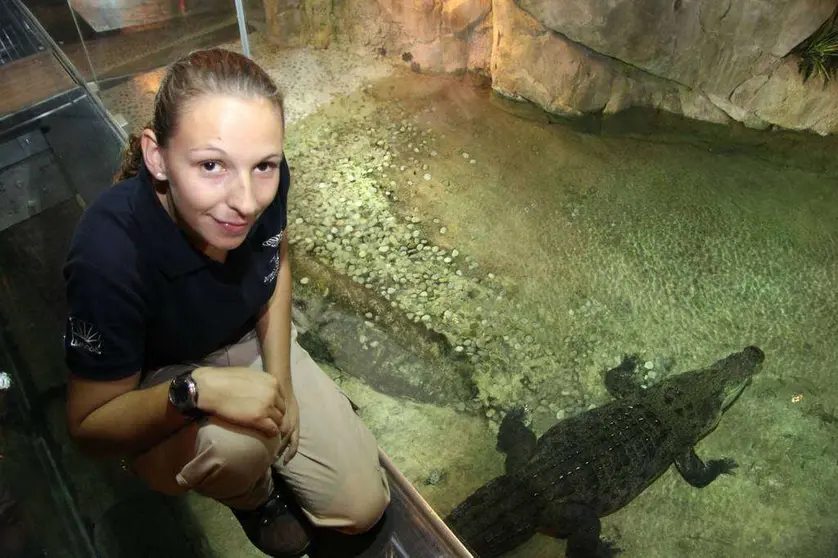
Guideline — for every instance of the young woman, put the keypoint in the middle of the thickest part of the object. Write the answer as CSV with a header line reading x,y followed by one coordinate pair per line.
x,y
179,340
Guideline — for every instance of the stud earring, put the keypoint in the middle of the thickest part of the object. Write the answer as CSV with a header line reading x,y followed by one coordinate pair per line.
x,y
160,175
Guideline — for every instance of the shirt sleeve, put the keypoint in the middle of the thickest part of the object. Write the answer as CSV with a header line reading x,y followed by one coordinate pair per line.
x,y
105,329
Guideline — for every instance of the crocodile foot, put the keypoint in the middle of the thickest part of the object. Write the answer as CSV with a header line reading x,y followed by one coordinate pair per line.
x,y
700,474
602,548
623,380
515,440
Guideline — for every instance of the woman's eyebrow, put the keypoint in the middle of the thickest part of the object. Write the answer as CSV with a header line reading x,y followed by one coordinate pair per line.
x,y
218,149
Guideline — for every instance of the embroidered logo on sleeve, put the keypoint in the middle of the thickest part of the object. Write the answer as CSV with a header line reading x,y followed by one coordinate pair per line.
x,y
274,241
85,336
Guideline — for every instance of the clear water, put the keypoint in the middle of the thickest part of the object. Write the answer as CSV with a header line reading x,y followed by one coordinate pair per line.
x,y
682,243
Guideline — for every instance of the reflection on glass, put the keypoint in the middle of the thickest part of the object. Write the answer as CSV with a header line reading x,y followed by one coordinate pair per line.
x,y
129,43
29,71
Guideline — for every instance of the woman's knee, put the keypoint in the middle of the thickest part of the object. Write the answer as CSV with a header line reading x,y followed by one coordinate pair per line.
x,y
228,455
363,506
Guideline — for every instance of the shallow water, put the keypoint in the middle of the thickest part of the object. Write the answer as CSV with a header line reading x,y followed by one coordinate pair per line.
x,y
573,248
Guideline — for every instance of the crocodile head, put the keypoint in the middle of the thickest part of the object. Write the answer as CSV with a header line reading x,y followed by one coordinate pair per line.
x,y
728,377
698,398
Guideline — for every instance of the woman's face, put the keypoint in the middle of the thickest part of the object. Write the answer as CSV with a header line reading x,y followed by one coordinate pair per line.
x,y
222,165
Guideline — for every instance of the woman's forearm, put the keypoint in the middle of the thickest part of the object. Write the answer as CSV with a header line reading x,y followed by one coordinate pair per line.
x,y
129,424
274,326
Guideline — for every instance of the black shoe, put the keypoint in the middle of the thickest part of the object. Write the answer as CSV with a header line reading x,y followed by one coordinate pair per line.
x,y
375,543
278,527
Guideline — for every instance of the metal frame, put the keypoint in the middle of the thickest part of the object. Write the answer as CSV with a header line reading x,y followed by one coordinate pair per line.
x,y
440,529
240,15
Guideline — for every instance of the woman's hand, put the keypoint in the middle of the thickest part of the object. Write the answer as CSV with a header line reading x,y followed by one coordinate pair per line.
x,y
246,397
290,428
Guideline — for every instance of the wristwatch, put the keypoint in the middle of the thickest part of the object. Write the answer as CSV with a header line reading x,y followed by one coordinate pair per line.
x,y
183,395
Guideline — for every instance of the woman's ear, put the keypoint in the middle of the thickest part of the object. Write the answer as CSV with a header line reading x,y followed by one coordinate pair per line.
x,y
153,154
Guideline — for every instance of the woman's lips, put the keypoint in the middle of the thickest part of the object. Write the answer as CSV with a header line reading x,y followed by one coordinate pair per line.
x,y
234,228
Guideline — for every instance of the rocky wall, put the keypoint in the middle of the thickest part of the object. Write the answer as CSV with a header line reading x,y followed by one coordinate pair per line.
x,y
710,60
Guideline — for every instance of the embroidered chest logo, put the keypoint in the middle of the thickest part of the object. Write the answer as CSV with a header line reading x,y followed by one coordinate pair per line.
x,y
274,269
273,242
85,336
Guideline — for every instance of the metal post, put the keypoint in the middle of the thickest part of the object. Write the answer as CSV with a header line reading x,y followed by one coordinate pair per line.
x,y
242,28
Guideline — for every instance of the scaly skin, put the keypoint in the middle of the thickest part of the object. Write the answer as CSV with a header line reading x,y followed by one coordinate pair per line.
x,y
591,465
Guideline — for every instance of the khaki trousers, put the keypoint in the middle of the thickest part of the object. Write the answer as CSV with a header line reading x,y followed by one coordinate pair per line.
x,y
335,475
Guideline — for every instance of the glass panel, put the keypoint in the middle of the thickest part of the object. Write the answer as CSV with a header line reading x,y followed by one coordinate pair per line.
x,y
58,20
129,42
29,70
54,153
57,152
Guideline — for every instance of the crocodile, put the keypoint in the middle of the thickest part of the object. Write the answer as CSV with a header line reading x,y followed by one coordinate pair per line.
x,y
591,465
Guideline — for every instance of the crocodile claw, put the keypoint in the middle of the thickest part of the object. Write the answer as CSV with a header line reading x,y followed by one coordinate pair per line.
x,y
604,549
725,466
607,549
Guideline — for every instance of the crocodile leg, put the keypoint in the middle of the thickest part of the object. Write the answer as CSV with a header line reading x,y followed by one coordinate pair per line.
x,y
581,526
515,440
700,474
621,380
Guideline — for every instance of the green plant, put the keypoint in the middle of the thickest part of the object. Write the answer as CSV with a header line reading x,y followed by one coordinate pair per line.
x,y
819,53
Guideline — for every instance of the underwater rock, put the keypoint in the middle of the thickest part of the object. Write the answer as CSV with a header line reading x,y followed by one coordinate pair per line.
x,y
379,361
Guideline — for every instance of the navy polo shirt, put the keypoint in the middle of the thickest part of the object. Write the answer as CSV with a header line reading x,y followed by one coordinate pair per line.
x,y
140,296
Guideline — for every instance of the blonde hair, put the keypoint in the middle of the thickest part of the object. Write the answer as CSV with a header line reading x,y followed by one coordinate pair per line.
x,y
202,72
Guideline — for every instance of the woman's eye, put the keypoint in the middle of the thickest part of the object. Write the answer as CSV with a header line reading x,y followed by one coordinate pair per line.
x,y
263,167
209,166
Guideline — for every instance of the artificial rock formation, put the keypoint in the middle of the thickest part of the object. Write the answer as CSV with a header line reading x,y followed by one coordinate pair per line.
x,y
711,60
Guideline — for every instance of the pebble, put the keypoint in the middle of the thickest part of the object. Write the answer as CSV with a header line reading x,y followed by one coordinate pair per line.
x,y
304,281
427,176
649,365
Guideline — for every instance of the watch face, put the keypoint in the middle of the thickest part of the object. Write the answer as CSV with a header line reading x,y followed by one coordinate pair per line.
x,y
180,392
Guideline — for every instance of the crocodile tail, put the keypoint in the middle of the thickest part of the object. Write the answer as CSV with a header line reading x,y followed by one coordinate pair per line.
x,y
496,518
